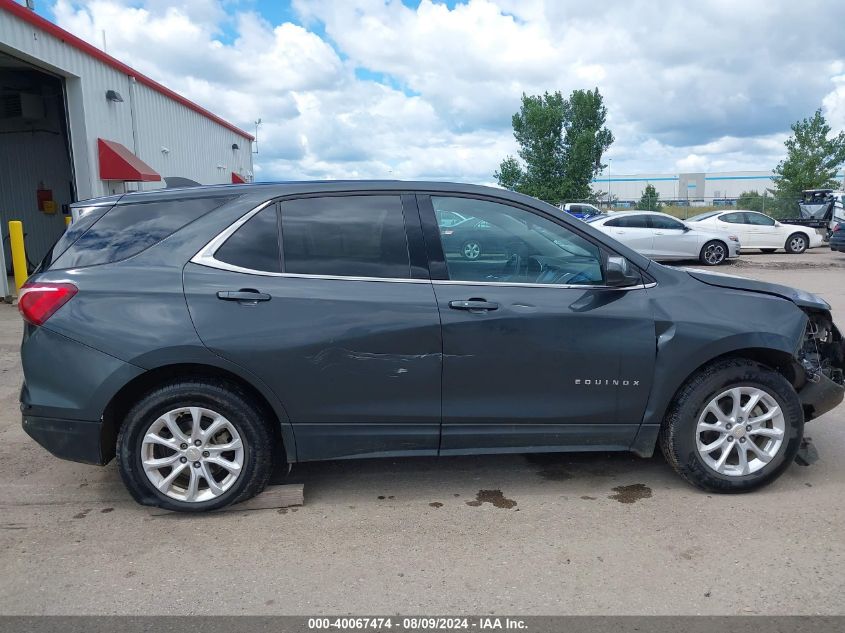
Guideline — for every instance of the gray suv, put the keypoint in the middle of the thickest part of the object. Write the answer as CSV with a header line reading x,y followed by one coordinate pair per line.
x,y
205,335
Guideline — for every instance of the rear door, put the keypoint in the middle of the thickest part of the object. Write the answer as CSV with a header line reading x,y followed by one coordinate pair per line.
x,y
341,321
537,352
633,231
737,225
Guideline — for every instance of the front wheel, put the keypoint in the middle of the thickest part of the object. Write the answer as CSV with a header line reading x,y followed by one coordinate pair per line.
x,y
194,445
733,427
796,244
713,253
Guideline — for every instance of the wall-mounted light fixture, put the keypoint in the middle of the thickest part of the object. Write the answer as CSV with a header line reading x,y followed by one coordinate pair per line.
x,y
165,150
235,146
113,96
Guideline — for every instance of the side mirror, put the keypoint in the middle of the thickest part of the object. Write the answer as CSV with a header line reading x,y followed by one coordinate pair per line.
x,y
687,229
619,273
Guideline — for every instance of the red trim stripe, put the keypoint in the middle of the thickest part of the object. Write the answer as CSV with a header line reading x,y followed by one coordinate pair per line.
x,y
28,15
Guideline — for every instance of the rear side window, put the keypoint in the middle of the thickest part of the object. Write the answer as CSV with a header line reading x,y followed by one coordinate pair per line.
x,y
128,229
87,219
629,222
349,236
255,245
733,218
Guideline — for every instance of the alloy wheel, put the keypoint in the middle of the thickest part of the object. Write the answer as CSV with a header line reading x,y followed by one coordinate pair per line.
x,y
797,244
472,250
714,254
740,431
192,454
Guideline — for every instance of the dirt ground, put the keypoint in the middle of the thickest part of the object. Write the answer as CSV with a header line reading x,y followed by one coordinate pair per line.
x,y
582,534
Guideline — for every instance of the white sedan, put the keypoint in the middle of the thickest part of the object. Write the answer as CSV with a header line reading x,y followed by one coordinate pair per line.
x,y
663,237
757,230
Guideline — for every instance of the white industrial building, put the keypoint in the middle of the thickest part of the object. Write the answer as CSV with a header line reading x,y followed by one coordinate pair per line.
x,y
76,123
696,187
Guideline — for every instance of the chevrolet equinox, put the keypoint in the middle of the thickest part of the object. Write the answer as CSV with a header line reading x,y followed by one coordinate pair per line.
x,y
202,335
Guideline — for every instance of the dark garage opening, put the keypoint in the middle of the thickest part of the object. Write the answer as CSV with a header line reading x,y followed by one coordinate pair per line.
x,y
36,174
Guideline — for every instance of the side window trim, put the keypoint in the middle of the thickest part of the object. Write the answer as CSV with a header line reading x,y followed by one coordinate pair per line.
x,y
205,256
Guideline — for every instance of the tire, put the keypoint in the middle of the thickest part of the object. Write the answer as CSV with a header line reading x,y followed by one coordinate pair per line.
x,y
768,250
236,416
471,250
680,438
796,243
713,253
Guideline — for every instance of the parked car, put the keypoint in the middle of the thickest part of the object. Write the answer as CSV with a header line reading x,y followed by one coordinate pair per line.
x,y
664,238
837,238
202,335
581,210
759,231
473,238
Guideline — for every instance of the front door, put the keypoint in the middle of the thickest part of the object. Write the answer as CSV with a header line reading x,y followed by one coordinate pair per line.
x,y
342,327
673,239
537,353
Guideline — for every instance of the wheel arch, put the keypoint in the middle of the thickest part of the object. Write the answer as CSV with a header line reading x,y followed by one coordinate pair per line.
x,y
777,359
123,400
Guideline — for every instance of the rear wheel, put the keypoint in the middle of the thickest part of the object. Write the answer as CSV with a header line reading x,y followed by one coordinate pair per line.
x,y
194,445
471,249
733,427
713,253
796,243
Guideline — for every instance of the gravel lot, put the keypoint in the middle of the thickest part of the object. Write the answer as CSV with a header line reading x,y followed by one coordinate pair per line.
x,y
584,534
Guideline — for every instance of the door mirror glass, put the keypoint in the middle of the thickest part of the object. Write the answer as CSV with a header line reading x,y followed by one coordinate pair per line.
x,y
619,273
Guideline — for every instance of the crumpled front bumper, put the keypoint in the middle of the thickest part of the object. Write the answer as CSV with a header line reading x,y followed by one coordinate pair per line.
x,y
821,396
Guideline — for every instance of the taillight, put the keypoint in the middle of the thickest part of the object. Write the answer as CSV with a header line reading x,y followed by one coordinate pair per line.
x,y
837,227
38,302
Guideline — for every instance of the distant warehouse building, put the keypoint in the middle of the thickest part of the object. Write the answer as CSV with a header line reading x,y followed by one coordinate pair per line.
x,y
76,123
694,188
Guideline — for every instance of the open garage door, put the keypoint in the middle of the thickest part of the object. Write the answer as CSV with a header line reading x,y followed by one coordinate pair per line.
x,y
36,169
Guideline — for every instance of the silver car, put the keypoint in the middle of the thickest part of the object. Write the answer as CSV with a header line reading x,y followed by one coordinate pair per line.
x,y
662,237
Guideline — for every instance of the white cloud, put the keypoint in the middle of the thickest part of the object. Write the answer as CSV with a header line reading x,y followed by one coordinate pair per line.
x,y
368,88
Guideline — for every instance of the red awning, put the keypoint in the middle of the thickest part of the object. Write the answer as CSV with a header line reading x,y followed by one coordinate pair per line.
x,y
118,163
237,179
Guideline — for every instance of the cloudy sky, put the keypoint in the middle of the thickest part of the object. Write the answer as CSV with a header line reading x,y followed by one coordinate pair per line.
x,y
380,88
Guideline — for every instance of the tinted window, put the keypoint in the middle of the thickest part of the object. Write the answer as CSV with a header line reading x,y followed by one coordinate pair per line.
x,y
87,218
629,222
128,229
351,236
508,244
759,219
733,218
255,245
661,222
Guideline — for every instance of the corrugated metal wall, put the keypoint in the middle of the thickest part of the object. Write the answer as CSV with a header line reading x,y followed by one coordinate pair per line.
x,y
37,159
199,148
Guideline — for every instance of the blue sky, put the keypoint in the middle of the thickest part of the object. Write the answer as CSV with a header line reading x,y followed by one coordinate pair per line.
x,y
425,89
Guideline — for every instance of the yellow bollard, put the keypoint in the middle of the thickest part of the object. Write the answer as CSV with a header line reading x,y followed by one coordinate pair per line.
x,y
18,252
67,220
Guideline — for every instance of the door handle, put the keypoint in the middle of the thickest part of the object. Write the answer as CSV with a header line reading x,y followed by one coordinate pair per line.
x,y
474,305
244,295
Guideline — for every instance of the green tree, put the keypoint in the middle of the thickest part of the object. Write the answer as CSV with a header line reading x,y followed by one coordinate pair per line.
x,y
812,158
650,199
561,142
754,201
